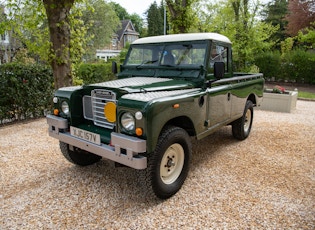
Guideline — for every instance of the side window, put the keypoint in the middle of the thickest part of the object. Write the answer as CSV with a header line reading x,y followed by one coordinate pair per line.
x,y
219,53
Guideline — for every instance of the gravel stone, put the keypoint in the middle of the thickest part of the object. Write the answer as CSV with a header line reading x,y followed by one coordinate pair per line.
x,y
264,182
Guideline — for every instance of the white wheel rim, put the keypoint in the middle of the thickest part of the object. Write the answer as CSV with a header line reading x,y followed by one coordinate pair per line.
x,y
172,163
248,118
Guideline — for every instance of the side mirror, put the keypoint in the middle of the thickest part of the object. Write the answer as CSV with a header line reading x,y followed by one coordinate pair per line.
x,y
114,67
219,70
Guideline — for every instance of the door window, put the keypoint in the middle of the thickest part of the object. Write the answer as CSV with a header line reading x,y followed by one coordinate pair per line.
x,y
219,53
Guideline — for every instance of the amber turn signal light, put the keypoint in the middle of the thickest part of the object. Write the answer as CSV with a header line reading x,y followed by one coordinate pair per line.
x,y
139,131
56,112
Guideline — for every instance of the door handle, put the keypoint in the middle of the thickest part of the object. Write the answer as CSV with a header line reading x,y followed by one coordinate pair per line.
x,y
229,96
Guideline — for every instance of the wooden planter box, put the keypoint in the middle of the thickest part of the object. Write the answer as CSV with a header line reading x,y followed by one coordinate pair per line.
x,y
279,102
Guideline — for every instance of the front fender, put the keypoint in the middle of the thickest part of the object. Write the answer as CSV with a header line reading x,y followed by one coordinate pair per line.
x,y
186,112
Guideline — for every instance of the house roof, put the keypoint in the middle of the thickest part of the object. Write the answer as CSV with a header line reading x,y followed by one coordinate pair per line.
x,y
125,24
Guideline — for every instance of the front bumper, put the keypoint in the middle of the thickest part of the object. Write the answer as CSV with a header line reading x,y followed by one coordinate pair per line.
x,y
58,129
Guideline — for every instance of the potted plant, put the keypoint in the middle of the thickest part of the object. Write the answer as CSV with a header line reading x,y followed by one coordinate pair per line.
x,y
279,99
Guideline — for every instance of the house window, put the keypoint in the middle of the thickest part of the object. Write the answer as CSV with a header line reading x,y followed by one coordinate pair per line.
x,y
114,42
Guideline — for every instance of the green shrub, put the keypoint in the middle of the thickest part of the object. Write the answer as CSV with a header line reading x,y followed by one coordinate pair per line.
x,y
95,72
299,66
25,91
269,64
296,66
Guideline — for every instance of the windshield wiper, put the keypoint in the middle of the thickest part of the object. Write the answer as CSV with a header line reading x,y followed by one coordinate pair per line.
x,y
146,62
167,65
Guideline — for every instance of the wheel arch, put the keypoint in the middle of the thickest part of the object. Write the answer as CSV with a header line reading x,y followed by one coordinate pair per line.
x,y
252,98
183,122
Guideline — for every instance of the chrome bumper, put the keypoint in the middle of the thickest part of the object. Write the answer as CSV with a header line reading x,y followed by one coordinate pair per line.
x,y
132,145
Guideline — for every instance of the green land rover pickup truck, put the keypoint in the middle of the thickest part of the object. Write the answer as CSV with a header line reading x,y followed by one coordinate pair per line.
x,y
170,88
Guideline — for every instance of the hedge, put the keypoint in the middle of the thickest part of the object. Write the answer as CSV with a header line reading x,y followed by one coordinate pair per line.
x,y
295,66
299,66
25,91
95,72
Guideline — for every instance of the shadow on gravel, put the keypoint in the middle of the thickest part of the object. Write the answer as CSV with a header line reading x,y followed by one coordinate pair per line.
x,y
207,148
103,183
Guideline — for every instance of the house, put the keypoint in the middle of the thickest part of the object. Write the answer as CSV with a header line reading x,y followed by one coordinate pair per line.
x,y
124,35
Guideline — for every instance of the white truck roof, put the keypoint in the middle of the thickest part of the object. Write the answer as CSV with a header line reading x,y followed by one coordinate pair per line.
x,y
183,37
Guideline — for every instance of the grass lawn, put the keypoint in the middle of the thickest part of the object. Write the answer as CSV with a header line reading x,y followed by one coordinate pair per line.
x,y
306,95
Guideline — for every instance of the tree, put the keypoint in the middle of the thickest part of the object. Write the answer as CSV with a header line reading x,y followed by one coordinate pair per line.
x,y
101,23
182,16
275,13
59,29
155,20
301,15
120,11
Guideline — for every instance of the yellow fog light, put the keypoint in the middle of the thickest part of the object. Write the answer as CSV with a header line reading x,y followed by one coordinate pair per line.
x,y
110,111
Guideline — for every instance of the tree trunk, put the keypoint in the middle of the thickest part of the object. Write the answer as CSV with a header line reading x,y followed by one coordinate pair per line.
x,y
57,14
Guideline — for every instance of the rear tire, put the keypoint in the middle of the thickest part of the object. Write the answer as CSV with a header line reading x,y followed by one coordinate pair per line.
x,y
78,156
168,165
242,126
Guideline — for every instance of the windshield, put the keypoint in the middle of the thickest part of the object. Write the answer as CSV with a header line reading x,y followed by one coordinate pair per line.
x,y
179,55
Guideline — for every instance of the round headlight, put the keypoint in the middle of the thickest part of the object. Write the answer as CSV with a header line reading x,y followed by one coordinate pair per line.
x,y
128,121
65,107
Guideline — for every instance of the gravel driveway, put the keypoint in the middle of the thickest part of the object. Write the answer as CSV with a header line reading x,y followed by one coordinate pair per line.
x,y
264,182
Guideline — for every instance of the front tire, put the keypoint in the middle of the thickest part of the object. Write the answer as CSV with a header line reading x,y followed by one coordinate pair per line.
x,y
78,156
242,126
168,165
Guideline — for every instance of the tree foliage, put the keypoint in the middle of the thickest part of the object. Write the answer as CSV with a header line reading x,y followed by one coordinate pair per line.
x,y
100,21
182,15
61,32
237,19
307,36
120,11
275,13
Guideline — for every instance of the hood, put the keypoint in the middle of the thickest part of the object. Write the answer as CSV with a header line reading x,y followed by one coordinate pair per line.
x,y
145,84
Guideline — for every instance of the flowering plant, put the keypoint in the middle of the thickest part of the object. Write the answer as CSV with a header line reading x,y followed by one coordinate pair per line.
x,y
278,89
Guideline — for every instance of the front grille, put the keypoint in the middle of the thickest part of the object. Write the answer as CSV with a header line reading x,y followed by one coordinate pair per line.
x,y
93,107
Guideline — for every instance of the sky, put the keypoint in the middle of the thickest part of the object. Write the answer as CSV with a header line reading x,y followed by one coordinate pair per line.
x,y
136,6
